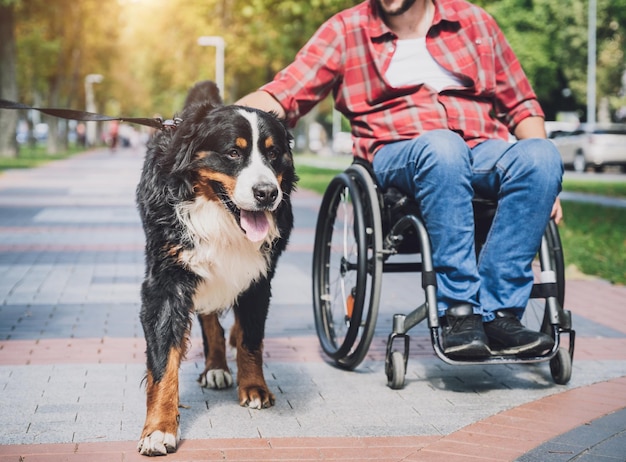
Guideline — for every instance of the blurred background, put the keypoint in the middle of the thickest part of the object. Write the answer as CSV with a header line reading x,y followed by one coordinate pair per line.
x,y
138,58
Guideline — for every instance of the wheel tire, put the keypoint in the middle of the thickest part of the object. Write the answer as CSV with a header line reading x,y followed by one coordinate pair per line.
x,y
396,371
561,367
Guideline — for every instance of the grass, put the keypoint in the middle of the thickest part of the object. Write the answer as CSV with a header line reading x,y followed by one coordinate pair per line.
x,y
603,188
315,178
31,156
593,237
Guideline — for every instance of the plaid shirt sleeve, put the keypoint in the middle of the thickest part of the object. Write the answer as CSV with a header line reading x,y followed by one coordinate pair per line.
x,y
314,72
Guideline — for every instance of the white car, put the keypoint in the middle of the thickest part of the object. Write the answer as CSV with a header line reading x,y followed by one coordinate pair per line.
x,y
590,146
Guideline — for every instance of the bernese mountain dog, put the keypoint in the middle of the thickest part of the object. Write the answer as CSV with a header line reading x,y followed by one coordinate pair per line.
x,y
214,200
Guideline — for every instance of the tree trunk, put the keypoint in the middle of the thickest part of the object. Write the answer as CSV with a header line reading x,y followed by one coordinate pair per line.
x,y
8,82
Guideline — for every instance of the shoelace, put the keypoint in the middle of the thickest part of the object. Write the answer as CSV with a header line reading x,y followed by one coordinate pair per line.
x,y
464,323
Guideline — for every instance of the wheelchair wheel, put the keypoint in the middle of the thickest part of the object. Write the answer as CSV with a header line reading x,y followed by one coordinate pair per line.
x,y
347,267
561,367
396,371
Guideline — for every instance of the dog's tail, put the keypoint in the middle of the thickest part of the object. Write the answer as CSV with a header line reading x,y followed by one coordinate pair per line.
x,y
203,92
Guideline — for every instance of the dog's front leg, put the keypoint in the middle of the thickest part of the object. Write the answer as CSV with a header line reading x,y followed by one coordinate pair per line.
x,y
166,324
160,432
247,335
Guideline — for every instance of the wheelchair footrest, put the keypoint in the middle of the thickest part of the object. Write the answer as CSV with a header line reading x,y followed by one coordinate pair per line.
x,y
497,357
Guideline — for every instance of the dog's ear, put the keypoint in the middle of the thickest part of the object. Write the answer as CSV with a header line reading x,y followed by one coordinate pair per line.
x,y
201,99
187,139
289,180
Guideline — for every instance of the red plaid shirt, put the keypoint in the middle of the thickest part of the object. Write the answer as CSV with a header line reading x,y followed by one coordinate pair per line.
x,y
351,52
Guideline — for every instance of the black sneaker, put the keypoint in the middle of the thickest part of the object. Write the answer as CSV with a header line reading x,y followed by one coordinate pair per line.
x,y
507,335
463,334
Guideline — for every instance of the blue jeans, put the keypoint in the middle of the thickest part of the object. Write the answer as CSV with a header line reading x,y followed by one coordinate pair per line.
x,y
442,173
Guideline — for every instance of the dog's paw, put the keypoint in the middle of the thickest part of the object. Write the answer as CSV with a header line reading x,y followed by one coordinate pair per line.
x,y
216,378
256,397
157,443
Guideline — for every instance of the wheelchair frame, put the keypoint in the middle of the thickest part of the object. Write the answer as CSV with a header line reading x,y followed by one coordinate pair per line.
x,y
358,231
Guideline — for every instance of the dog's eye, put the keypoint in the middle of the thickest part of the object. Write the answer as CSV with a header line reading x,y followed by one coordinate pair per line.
x,y
233,154
272,154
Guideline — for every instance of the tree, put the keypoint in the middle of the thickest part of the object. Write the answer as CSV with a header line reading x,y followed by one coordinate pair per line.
x,y
550,39
58,44
8,82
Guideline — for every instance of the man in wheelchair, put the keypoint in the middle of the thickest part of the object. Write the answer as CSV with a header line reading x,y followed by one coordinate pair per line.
x,y
433,92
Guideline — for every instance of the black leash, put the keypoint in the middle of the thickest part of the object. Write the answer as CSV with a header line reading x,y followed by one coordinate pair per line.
x,y
83,116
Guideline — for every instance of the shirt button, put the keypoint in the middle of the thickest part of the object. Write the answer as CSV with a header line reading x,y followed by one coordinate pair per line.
x,y
390,49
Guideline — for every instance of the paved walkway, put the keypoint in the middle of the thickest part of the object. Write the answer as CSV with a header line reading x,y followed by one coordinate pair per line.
x,y
72,354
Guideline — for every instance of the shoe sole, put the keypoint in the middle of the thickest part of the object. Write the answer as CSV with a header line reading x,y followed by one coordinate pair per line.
x,y
475,349
536,347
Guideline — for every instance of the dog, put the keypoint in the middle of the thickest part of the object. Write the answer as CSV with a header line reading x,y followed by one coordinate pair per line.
x,y
214,200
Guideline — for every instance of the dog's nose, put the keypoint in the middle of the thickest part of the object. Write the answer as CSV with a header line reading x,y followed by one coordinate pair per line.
x,y
265,193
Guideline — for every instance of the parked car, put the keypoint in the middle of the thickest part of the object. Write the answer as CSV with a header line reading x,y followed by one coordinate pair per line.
x,y
590,146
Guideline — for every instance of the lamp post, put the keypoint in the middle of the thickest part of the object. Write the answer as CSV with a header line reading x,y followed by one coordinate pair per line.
x,y
591,63
219,44
90,105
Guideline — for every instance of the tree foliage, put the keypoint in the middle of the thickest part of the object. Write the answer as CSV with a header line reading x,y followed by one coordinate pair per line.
x,y
550,39
148,53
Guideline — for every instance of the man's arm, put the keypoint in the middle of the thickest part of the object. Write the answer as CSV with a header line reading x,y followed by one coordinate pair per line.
x,y
534,127
262,100
531,127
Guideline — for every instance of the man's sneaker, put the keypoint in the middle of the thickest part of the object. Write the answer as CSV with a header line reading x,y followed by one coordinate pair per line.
x,y
507,335
463,334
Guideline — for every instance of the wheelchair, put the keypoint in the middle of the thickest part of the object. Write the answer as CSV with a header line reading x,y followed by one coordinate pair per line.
x,y
361,232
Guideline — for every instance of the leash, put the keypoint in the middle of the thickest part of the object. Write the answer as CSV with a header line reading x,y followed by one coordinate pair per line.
x,y
83,116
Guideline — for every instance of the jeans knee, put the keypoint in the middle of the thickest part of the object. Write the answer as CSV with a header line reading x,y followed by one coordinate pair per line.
x,y
540,159
444,149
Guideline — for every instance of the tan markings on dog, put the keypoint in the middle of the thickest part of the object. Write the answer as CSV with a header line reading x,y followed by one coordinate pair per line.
x,y
253,390
269,142
202,154
207,175
214,334
162,398
241,143
204,188
173,251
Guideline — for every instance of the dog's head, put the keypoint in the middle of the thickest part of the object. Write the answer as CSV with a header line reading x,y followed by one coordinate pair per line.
x,y
238,156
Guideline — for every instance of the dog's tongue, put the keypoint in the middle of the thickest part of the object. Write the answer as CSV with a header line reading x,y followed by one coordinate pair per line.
x,y
255,225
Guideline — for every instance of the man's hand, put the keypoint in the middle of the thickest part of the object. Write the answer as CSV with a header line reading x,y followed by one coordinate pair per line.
x,y
557,211
264,101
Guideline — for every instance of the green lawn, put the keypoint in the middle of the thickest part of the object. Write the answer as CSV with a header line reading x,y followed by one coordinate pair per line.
x,y
36,155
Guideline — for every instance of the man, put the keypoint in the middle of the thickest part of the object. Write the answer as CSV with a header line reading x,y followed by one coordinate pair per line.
x,y
433,92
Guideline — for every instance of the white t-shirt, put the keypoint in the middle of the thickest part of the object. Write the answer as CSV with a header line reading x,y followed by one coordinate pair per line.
x,y
412,64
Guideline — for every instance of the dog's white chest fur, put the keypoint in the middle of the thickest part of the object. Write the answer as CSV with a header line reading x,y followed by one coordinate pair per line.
x,y
222,256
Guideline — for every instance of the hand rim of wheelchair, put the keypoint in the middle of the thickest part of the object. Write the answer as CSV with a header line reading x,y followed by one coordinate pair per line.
x,y
554,317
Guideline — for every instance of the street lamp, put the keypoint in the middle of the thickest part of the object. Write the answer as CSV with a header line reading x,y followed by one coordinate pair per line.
x,y
90,105
219,44
591,63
